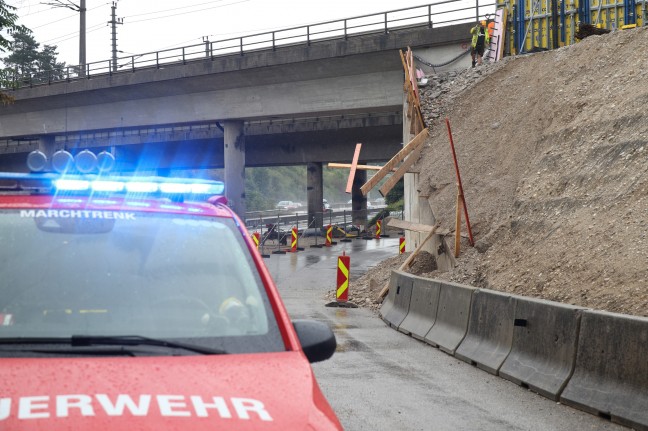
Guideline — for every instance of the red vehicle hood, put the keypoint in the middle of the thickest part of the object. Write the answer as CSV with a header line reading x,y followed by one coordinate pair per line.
x,y
236,392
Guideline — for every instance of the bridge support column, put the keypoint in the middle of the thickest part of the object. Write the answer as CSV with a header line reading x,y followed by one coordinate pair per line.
x,y
46,145
315,194
358,200
234,157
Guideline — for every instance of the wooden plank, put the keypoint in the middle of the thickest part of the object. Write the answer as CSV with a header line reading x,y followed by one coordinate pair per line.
x,y
416,227
409,259
402,170
358,167
411,146
410,86
412,75
354,162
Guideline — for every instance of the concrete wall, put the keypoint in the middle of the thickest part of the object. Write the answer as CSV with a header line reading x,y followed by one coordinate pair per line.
x,y
591,360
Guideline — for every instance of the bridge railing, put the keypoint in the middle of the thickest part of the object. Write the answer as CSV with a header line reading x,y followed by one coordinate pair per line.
x,y
439,14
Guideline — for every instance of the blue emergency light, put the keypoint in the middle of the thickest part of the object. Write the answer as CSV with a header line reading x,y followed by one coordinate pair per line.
x,y
62,161
86,182
110,185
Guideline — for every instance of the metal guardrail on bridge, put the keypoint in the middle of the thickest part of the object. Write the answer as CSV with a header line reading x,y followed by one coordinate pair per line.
x,y
444,13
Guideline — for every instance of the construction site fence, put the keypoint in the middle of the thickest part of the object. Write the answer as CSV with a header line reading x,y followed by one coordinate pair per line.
x,y
275,227
535,25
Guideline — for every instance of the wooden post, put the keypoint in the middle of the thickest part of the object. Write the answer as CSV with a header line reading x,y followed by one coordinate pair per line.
x,y
458,224
463,200
352,171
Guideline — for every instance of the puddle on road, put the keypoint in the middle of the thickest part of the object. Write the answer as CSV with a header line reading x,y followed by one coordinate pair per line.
x,y
352,345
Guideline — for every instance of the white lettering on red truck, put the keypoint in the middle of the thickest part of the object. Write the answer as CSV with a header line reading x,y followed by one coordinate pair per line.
x,y
107,215
63,406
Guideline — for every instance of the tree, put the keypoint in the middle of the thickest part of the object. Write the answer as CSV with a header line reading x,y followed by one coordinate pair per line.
x,y
27,62
396,195
24,54
8,24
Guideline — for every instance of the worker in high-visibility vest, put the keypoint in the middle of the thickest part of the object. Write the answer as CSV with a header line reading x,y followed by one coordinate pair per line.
x,y
480,40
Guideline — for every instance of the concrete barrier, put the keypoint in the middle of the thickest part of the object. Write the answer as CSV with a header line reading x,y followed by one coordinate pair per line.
x,y
452,317
543,353
396,305
611,374
490,330
423,307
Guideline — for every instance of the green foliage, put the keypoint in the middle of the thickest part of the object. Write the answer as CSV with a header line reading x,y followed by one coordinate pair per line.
x,y
264,187
335,181
27,61
8,24
396,194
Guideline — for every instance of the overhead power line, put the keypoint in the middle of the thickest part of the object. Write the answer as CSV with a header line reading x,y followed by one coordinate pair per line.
x,y
178,8
73,35
63,19
186,13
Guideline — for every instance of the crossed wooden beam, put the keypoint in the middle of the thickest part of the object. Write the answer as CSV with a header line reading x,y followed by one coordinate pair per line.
x,y
408,156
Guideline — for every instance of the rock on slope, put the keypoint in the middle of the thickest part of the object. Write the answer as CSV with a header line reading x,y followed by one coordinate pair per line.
x,y
553,151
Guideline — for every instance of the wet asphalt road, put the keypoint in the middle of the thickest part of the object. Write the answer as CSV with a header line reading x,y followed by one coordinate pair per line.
x,y
380,379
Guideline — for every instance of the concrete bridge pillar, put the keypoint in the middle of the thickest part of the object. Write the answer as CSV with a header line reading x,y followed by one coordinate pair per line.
x,y
358,200
46,145
234,157
315,194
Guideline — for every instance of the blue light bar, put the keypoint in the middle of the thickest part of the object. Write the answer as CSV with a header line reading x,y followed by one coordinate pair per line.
x,y
216,188
175,188
86,184
142,187
107,186
72,185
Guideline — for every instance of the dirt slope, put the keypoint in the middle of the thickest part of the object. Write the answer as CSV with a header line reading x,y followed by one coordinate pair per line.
x,y
553,151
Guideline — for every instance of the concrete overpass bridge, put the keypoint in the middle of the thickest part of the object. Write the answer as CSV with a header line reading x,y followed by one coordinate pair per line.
x,y
305,95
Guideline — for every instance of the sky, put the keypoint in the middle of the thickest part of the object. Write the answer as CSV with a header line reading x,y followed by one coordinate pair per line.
x,y
153,25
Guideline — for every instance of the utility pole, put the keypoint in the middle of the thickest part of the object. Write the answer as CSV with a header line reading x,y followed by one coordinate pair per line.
x,y
114,21
81,8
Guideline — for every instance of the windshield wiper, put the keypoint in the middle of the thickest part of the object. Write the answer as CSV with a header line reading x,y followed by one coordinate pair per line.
x,y
114,340
135,340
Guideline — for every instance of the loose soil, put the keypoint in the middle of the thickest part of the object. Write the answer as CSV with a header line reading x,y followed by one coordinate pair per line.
x,y
552,148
